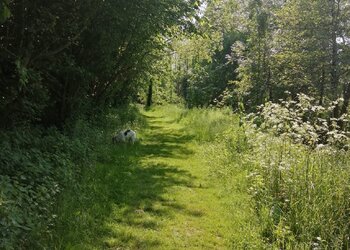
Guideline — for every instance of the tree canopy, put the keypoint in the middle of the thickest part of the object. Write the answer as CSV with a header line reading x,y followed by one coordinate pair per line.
x,y
63,58
256,51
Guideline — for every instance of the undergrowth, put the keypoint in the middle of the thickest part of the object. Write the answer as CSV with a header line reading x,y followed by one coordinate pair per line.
x,y
38,165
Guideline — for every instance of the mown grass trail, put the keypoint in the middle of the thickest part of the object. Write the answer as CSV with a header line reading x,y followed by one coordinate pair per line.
x,y
152,195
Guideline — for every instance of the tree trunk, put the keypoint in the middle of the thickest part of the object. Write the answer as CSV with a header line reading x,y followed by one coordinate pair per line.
x,y
269,85
149,95
335,11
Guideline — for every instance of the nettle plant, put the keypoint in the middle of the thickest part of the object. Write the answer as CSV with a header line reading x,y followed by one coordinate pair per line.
x,y
304,122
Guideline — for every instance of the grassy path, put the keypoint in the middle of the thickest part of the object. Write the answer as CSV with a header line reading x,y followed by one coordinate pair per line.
x,y
154,195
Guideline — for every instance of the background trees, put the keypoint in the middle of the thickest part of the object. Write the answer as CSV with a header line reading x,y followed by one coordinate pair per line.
x,y
279,49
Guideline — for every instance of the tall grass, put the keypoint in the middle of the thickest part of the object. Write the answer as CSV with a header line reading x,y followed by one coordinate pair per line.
x,y
206,124
300,195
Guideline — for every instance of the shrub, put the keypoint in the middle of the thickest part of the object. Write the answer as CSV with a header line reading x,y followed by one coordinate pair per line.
x,y
37,164
304,122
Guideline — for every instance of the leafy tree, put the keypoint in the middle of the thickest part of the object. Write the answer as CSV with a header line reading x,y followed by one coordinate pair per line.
x,y
202,69
255,55
62,59
293,46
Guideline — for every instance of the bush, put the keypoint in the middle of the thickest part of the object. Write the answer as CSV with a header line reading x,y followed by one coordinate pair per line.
x,y
304,122
37,164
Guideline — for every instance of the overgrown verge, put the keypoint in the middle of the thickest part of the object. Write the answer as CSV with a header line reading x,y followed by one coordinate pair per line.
x,y
38,164
299,191
301,194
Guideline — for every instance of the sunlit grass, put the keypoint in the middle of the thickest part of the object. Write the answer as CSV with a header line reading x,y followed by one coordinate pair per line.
x,y
185,185
157,194
207,124
300,195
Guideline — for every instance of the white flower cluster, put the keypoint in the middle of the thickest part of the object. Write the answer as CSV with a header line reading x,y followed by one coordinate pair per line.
x,y
304,121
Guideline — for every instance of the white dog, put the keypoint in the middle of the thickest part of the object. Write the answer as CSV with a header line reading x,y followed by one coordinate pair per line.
x,y
127,135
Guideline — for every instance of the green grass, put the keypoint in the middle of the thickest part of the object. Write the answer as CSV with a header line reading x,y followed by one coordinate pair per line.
x,y
188,186
157,194
300,195
206,124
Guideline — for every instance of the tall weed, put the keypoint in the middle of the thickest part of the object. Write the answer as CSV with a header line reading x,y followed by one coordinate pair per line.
x,y
206,124
300,193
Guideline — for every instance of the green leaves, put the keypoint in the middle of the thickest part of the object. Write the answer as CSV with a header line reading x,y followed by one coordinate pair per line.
x,y
5,12
70,57
22,73
305,122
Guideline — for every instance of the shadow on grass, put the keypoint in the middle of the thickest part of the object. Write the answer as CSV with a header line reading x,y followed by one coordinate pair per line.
x,y
124,194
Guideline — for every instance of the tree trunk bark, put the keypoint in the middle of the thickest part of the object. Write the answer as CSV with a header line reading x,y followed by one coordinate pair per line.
x,y
149,95
335,11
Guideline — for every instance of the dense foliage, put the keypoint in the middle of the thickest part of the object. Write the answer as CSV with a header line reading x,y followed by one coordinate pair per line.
x,y
304,122
254,51
64,65
37,165
66,58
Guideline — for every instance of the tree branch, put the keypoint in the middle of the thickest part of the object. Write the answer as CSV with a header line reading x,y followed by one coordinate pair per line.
x,y
60,49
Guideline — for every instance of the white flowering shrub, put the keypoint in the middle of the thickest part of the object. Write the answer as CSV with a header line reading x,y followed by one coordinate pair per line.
x,y
304,122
